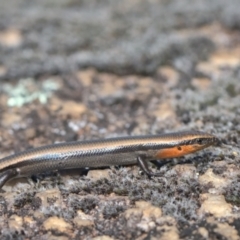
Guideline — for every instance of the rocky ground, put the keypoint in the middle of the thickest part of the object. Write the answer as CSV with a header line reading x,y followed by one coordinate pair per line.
x,y
76,70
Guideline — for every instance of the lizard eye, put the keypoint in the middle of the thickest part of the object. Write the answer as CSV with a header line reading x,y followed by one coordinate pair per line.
x,y
200,141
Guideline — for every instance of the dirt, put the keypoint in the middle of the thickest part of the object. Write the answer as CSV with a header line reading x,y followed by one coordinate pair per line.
x,y
79,70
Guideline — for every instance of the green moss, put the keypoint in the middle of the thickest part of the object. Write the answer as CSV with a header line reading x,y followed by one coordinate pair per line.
x,y
232,194
29,90
210,102
231,90
235,200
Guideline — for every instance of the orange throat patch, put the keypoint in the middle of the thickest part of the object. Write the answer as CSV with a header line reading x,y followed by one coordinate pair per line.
x,y
177,151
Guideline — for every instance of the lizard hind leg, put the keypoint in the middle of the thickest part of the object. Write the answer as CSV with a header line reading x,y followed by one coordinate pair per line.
x,y
7,175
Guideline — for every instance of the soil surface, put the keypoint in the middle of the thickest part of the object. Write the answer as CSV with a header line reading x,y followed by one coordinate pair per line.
x,y
78,70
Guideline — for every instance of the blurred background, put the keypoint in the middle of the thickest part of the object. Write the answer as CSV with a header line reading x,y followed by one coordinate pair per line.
x,y
127,37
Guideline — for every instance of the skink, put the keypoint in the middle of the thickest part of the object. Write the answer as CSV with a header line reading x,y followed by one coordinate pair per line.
x,y
107,152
